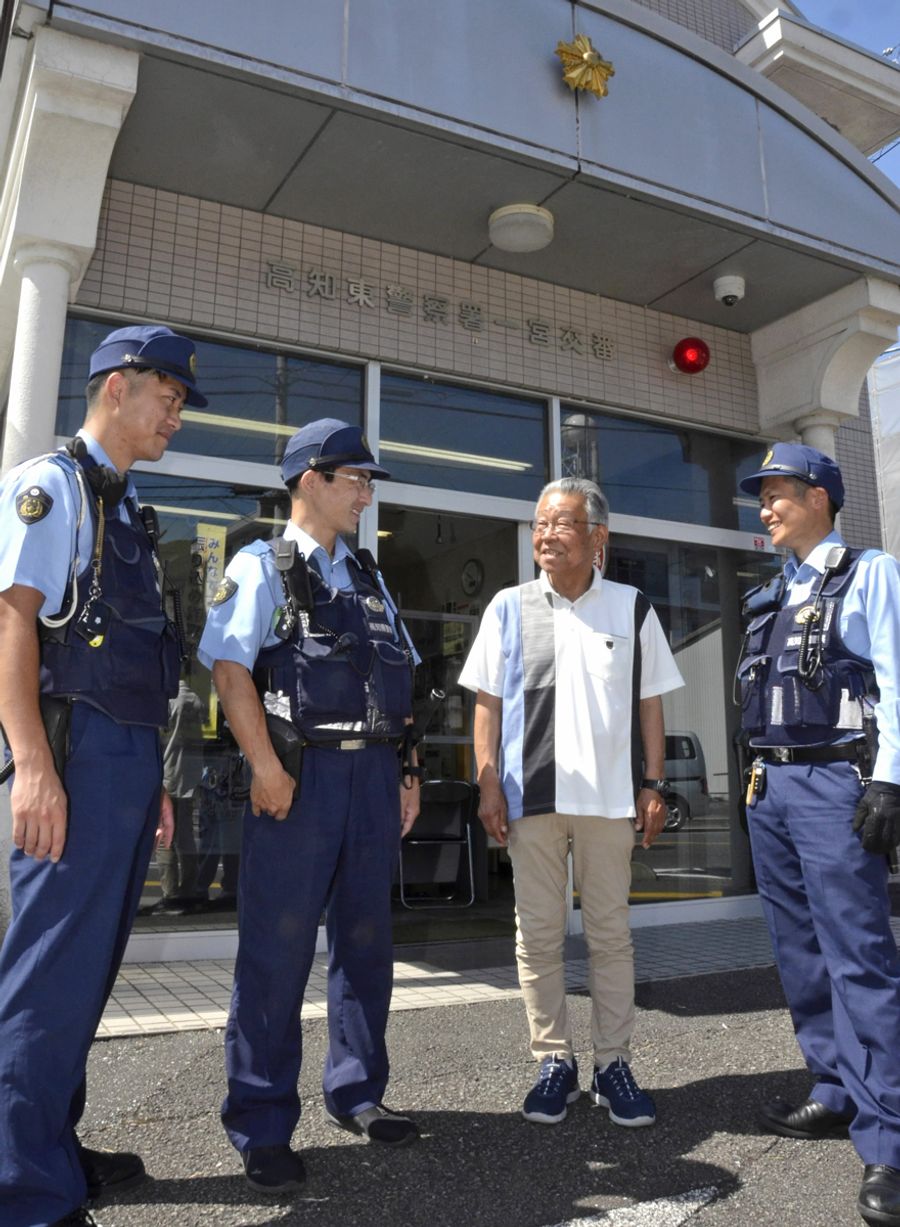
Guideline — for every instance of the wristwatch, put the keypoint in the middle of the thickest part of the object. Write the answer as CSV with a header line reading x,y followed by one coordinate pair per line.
x,y
660,786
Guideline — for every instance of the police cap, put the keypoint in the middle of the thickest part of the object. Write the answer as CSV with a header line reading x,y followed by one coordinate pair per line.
x,y
805,463
150,348
328,444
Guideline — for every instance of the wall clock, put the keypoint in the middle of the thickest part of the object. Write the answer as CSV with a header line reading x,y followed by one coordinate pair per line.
x,y
471,577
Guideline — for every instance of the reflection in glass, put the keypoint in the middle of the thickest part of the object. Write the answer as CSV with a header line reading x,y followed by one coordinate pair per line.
x,y
665,472
439,434
202,525
257,399
696,593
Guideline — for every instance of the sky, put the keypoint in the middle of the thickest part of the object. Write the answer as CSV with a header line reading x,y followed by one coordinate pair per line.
x,y
871,24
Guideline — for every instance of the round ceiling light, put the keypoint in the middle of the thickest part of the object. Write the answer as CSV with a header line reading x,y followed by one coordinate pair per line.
x,y
520,227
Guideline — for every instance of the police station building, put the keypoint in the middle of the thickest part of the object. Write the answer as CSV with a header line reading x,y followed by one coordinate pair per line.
x,y
633,240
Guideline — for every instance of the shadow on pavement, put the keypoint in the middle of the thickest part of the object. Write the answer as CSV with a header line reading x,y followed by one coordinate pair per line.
x,y
495,1170
754,990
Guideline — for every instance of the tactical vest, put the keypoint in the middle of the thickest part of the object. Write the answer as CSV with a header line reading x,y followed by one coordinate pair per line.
x,y
133,672
341,668
800,685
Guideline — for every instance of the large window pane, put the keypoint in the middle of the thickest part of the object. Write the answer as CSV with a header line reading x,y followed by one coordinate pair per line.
x,y
696,592
257,399
202,525
670,473
438,434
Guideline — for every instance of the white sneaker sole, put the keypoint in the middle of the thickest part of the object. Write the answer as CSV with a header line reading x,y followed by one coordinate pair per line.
x,y
541,1118
635,1122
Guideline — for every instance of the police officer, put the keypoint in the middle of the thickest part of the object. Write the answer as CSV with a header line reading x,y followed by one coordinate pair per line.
x,y
307,628
820,689
88,662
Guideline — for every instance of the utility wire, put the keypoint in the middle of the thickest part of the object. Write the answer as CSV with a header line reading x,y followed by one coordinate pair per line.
x,y
884,152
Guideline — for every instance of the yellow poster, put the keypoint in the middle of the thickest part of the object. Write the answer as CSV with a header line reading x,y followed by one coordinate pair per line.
x,y
208,551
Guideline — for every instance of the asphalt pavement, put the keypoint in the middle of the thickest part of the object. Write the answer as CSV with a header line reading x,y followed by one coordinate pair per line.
x,y
710,1048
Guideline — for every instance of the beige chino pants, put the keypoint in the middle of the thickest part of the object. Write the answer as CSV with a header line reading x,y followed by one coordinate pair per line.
x,y
601,855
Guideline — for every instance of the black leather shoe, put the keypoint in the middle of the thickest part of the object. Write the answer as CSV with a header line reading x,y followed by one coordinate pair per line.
x,y
273,1169
378,1124
110,1171
81,1217
879,1197
810,1120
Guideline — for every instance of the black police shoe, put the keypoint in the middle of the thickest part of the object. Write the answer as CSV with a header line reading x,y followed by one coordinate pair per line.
x,y
109,1171
273,1169
81,1217
378,1124
879,1197
809,1121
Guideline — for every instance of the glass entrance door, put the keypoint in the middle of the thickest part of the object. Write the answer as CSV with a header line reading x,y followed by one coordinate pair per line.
x,y
696,592
443,569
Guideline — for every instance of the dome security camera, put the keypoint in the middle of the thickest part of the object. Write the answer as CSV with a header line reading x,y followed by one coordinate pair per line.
x,y
729,290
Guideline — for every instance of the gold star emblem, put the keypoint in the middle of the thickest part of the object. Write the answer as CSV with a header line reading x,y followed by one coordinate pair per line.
x,y
583,67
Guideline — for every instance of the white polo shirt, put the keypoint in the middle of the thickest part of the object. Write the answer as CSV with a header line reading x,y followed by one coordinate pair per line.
x,y
566,672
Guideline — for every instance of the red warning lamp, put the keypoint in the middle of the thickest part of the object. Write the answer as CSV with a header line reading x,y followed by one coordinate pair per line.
x,y
690,356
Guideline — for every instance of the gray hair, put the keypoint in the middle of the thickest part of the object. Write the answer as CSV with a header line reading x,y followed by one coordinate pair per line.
x,y
595,500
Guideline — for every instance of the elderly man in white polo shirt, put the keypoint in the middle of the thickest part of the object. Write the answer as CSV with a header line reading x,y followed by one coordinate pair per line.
x,y
569,746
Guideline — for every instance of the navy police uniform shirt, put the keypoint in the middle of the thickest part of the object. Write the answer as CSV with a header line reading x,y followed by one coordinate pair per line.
x,y
46,530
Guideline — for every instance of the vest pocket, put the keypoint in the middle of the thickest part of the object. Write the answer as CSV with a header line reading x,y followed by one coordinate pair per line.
x,y
757,633
392,681
330,688
753,674
136,656
800,706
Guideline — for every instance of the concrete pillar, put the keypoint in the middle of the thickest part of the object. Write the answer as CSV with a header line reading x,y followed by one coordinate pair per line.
x,y
72,98
46,270
818,430
811,365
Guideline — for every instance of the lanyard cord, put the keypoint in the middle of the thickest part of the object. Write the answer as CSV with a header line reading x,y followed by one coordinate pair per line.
x,y
63,618
96,561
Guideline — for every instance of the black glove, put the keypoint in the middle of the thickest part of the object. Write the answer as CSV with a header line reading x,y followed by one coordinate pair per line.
x,y
878,816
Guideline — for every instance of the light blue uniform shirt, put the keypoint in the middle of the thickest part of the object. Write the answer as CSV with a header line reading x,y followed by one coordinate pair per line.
x,y
870,627
243,625
41,555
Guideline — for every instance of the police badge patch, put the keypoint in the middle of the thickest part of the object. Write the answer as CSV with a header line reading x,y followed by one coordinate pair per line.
x,y
33,504
225,591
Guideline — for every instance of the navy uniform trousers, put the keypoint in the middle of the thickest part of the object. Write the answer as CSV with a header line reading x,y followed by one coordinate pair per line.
x,y
60,957
336,850
826,904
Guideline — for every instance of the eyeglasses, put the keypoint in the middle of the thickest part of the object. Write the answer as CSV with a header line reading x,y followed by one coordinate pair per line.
x,y
561,525
364,483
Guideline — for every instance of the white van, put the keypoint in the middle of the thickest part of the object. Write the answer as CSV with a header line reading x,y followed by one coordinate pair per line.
x,y
688,795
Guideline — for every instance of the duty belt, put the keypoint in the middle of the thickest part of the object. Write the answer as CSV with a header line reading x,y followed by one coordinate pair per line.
x,y
355,743
847,752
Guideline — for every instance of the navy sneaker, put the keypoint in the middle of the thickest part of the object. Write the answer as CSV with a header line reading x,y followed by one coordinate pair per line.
x,y
616,1089
556,1087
